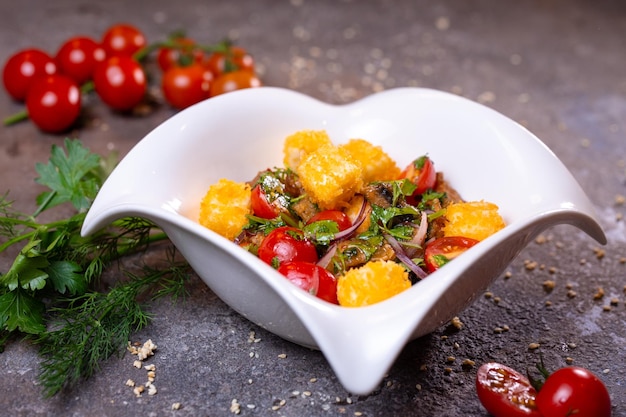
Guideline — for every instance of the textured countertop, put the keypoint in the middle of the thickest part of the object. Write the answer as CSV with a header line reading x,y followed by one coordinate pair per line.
x,y
557,67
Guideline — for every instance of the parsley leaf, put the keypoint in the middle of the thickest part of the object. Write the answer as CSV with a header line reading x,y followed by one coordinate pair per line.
x,y
21,311
71,177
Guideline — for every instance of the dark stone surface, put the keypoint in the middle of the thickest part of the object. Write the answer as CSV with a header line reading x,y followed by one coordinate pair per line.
x,y
557,66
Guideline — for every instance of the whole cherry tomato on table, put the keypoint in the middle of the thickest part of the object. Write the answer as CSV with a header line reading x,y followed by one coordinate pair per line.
x,y
123,39
504,392
120,82
285,244
234,59
77,58
573,391
235,80
183,51
186,85
53,103
22,68
444,249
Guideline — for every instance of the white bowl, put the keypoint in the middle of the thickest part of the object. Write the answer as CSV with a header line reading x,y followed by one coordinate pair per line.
x,y
483,154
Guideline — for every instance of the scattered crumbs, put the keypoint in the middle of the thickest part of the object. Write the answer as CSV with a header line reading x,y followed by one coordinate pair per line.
x,y
569,285
606,371
571,345
468,363
606,308
130,383
235,407
501,329
489,294
548,303
508,274
541,239
358,413
548,285
313,379
152,390
138,390
282,356
614,301
620,200
530,265
622,260
423,368
176,406
599,252
456,323
447,370
534,346
486,97
569,360
137,364
418,387
497,300
552,270
583,261
450,359
571,294
599,294
277,406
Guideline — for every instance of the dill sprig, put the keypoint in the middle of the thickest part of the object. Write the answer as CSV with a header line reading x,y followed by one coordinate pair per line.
x,y
96,325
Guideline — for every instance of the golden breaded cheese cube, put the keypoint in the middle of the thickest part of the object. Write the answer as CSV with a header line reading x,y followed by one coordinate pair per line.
x,y
330,176
298,145
474,219
371,283
376,164
225,206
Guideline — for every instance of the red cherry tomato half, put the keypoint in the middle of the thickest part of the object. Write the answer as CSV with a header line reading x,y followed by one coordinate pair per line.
x,y
442,250
123,39
120,82
261,207
22,68
53,103
182,50
304,275
504,392
78,57
573,391
422,173
236,59
337,216
232,81
184,86
285,244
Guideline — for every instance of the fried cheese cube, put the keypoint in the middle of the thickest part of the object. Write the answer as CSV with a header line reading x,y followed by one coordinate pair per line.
x,y
474,219
330,176
376,164
225,207
371,283
298,145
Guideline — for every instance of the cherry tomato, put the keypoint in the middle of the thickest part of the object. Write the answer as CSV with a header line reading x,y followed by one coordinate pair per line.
x,y
573,391
261,207
304,275
123,39
78,57
236,59
183,50
504,392
285,244
232,81
184,86
422,173
442,250
337,216
120,82
53,103
22,68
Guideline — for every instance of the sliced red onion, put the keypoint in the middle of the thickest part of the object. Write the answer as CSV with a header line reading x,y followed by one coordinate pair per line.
x,y
401,254
325,260
420,235
360,218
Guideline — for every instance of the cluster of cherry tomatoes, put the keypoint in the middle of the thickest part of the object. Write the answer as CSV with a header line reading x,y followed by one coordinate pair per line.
x,y
52,86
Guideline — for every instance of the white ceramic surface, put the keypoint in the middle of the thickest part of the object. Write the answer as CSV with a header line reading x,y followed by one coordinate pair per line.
x,y
483,154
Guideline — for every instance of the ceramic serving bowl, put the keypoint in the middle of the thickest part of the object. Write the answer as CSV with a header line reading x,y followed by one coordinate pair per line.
x,y
482,153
